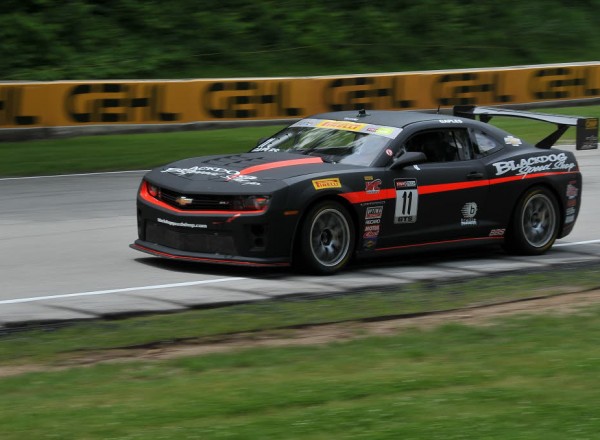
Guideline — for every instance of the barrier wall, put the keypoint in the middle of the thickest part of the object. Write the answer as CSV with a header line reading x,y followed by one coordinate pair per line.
x,y
83,103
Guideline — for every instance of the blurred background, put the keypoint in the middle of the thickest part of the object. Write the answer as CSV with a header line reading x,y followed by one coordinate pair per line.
x,y
119,39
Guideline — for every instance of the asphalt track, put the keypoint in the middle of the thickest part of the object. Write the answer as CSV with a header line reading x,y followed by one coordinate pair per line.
x,y
64,255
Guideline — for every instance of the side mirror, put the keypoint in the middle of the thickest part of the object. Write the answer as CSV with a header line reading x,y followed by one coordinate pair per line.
x,y
407,159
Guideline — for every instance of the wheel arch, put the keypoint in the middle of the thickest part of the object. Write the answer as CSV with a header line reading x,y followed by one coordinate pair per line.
x,y
553,190
515,240
306,209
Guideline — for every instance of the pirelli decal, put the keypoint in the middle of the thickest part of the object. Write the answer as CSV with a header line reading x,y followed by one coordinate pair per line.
x,y
341,125
332,182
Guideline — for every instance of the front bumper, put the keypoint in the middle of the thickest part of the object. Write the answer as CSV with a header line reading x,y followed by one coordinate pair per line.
x,y
245,239
175,254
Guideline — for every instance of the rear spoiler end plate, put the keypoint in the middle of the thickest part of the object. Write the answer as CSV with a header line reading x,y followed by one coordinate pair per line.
x,y
587,128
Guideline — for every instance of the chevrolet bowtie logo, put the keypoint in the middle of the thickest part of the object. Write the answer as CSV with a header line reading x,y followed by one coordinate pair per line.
x,y
183,201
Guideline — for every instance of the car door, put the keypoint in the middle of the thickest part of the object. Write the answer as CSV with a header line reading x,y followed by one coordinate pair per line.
x,y
441,200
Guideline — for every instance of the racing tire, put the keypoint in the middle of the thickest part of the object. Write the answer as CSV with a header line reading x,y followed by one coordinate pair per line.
x,y
327,238
535,223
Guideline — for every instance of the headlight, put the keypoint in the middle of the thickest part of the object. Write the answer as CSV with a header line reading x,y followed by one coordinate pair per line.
x,y
153,190
251,203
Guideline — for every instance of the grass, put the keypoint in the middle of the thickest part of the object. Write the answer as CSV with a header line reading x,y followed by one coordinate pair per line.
x,y
51,344
121,152
143,151
522,378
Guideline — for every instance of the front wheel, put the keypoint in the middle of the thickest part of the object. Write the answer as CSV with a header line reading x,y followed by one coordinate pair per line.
x,y
327,238
535,223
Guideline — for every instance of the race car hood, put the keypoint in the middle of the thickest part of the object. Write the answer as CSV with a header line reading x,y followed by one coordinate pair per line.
x,y
239,172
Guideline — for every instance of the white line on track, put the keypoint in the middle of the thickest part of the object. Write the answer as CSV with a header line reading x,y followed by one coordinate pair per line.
x,y
73,175
575,243
128,289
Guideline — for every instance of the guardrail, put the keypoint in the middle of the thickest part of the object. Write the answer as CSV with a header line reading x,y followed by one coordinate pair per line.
x,y
62,108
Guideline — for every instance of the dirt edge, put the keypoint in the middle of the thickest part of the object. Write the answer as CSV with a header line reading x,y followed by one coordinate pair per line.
x,y
317,334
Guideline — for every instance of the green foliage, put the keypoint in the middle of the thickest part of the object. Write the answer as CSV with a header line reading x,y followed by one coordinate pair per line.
x,y
102,39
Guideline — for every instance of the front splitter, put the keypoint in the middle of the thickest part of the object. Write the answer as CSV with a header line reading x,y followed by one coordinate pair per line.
x,y
173,254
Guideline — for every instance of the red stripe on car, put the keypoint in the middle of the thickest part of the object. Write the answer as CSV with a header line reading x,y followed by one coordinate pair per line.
x,y
362,196
390,193
455,186
280,164
432,243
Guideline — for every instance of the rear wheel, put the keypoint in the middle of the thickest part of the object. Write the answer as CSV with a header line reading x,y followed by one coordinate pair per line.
x,y
535,223
327,238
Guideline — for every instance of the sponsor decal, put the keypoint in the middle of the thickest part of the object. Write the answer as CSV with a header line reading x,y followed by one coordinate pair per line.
x,y
340,125
382,131
374,212
182,224
369,243
497,232
348,125
243,179
451,121
572,190
373,186
371,234
511,140
407,198
373,221
371,231
469,211
535,164
245,176
265,149
405,183
570,215
373,203
333,182
205,170
229,175
306,123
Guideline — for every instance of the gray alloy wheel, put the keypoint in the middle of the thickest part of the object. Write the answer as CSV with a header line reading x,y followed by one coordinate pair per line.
x,y
327,240
538,220
535,224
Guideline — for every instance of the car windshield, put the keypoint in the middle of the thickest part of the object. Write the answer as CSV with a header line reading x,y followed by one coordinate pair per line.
x,y
334,141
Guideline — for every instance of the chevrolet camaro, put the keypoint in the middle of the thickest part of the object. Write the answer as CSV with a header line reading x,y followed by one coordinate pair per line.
x,y
340,185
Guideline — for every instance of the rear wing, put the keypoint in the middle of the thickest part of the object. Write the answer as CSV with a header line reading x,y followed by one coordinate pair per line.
x,y
587,128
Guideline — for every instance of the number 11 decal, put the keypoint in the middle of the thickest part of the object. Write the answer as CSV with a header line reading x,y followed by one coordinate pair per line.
x,y
407,198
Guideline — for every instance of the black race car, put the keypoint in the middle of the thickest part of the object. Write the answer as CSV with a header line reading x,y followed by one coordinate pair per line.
x,y
366,183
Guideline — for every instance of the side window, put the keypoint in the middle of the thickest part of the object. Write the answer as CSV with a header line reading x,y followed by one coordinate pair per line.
x,y
460,140
441,145
485,144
